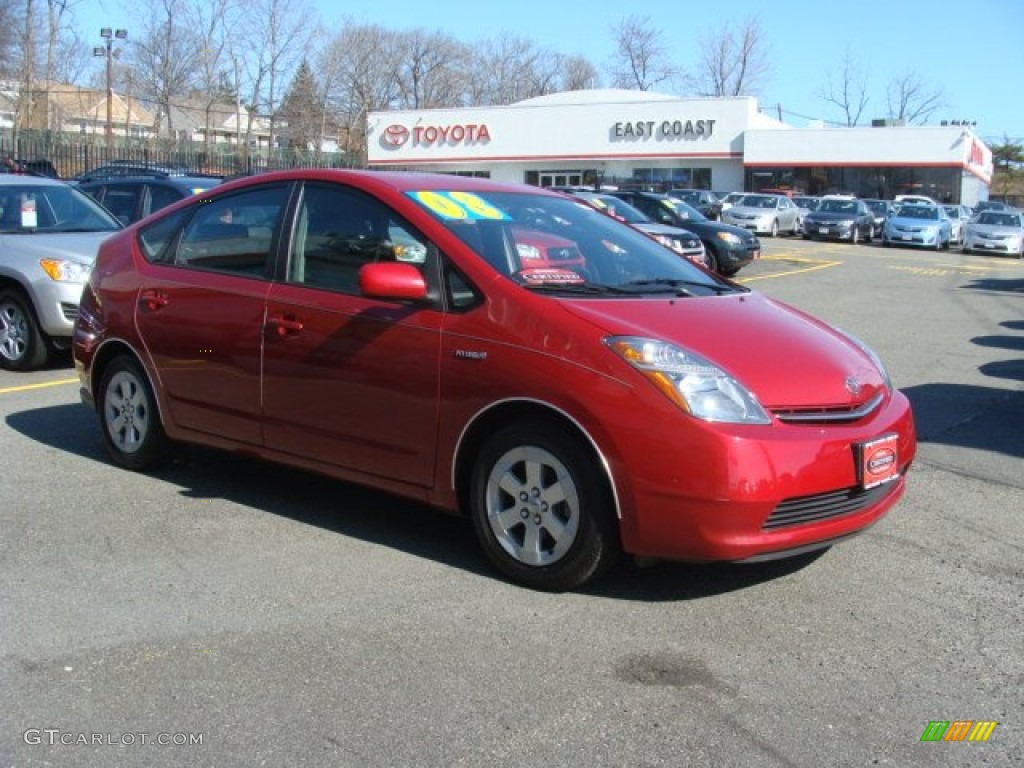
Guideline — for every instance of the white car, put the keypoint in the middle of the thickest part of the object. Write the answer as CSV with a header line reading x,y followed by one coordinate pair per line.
x,y
995,232
764,214
49,235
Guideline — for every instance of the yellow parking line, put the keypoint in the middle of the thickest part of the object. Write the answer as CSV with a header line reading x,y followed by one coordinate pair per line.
x,y
817,265
43,385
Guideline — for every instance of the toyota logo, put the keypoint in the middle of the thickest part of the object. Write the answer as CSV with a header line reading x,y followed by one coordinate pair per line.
x,y
395,135
852,385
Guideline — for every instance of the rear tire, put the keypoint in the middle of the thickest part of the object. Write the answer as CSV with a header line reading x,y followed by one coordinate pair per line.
x,y
129,417
23,346
541,507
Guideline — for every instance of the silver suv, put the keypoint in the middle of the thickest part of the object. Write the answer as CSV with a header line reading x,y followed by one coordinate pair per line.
x,y
49,235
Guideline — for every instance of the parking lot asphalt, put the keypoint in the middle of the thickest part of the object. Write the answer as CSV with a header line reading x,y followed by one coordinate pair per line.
x,y
252,615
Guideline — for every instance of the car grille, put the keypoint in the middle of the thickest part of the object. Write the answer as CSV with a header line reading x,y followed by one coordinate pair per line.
x,y
838,414
824,506
70,311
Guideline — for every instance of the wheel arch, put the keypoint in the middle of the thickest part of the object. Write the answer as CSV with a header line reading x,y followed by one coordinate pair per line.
x,y
499,414
105,354
11,283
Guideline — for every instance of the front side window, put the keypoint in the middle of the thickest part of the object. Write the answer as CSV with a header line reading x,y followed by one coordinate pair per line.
x,y
339,230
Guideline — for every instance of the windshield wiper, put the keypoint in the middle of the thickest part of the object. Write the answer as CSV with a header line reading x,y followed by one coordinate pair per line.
x,y
680,286
586,288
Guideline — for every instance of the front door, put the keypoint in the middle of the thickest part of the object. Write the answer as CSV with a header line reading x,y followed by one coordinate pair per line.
x,y
347,380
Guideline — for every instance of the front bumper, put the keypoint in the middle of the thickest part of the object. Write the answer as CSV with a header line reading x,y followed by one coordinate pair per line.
x,y
762,498
975,242
56,305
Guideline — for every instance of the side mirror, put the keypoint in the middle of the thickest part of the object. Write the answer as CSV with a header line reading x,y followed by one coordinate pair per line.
x,y
393,281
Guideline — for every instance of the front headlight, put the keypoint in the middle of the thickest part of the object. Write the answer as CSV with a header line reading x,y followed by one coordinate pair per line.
x,y
695,384
729,237
65,271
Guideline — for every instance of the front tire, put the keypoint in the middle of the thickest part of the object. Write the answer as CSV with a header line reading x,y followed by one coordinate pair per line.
x,y
23,346
541,507
775,228
129,419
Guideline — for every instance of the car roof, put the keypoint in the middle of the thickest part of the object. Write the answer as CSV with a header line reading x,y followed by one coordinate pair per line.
x,y
11,179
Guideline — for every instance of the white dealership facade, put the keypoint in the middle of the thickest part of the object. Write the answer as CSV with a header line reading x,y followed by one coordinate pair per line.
x,y
617,137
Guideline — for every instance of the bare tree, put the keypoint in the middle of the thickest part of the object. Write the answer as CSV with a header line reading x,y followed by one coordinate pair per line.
x,y
272,36
910,99
165,55
849,93
641,59
578,74
512,69
10,22
359,68
209,20
431,72
733,60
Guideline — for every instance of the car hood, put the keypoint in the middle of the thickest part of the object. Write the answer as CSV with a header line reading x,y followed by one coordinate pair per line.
x,y
831,216
653,228
749,210
711,228
899,221
995,229
786,358
78,246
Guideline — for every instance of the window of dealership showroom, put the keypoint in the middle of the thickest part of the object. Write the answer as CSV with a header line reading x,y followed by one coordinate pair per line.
x,y
941,184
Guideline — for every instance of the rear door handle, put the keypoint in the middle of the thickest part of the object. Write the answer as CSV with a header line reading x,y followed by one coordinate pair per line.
x,y
153,300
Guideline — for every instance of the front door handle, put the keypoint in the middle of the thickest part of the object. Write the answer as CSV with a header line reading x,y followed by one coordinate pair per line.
x,y
283,325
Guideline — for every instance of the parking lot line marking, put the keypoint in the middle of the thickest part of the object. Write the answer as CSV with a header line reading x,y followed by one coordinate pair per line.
x,y
42,385
817,265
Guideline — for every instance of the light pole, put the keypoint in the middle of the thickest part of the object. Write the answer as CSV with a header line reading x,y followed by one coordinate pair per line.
x,y
108,50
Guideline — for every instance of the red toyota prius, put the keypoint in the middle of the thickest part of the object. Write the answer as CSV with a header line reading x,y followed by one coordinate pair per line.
x,y
574,387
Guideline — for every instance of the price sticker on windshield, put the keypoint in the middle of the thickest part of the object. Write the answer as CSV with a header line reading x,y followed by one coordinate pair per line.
x,y
456,206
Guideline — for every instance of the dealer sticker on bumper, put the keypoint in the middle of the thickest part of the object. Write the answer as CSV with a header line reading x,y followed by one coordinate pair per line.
x,y
877,460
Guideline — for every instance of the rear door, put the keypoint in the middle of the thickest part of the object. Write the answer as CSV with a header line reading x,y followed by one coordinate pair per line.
x,y
201,308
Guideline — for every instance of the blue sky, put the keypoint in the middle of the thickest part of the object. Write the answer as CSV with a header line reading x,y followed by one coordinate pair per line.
x,y
972,50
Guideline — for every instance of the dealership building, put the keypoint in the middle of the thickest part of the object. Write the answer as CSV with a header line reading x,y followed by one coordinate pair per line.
x,y
658,141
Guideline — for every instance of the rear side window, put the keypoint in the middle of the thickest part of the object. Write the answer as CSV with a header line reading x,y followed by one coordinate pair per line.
x,y
161,196
233,234
122,200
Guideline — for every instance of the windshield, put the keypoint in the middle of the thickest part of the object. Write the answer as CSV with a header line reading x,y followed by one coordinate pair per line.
x,y
620,209
561,245
878,206
918,212
683,210
26,208
999,219
759,201
838,206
